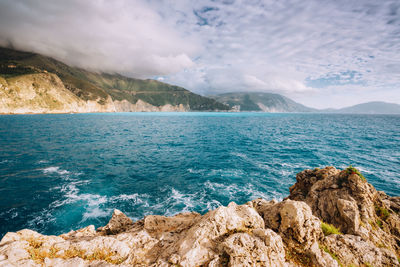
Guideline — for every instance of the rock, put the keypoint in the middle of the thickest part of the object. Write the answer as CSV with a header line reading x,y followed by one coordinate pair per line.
x,y
351,249
119,223
258,233
299,229
74,262
294,221
351,204
336,197
84,232
348,211
199,244
244,249
176,224
264,248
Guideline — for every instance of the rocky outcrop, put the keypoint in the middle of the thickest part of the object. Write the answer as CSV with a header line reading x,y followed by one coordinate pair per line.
x,y
44,93
140,106
294,232
347,201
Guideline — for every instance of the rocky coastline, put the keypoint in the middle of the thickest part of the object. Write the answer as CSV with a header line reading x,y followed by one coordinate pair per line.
x,y
44,93
331,218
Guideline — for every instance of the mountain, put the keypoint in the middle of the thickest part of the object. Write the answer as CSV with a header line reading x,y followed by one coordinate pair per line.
x,y
257,101
375,107
33,83
269,102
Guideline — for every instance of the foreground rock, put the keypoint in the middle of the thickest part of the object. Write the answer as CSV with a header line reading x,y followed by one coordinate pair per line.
x,y
294,232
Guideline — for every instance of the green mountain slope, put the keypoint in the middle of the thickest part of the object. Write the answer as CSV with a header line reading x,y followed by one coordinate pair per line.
x,y
257,101
90,86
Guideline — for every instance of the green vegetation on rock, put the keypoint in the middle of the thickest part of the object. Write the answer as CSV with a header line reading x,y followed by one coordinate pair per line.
x,y
382,212
352,170
329,229
333,255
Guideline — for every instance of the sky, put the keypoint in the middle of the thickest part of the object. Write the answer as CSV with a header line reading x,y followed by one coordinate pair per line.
x,y
321,53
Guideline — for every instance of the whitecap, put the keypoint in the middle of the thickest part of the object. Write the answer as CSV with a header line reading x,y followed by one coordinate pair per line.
x,y
44,217
54,169
93,213
135,198
176,198
240,155
286,173
90,199
71,194
295,165
187,200
226,173
213,204
363,169
196,171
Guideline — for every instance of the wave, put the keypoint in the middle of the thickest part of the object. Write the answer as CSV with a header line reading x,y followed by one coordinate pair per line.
x,y
95,213
86,206
239,155
54,169
233,191
135,198
219,172
363,169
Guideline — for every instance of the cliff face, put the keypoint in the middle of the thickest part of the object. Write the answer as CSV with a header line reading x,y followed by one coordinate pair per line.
x,y
294,232
46,93
40,93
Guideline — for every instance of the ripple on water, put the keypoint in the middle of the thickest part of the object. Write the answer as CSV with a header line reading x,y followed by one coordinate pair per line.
x,y
169,163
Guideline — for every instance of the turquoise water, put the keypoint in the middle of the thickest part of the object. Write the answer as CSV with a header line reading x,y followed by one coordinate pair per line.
x,y
63,172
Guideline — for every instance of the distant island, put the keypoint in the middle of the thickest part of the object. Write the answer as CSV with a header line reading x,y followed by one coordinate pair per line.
x,y
33,83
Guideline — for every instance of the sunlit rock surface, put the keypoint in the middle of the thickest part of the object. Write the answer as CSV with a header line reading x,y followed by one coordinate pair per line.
x,y
258,233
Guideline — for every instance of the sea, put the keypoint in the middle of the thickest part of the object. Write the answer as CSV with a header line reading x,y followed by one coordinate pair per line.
x,y
67,171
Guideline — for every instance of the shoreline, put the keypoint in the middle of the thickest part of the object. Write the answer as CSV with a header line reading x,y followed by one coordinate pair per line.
x,y
199,111
331,218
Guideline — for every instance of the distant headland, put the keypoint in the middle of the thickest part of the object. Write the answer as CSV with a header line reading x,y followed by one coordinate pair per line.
x,y
31,83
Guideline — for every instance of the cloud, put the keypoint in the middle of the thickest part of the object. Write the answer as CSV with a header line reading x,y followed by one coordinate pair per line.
x,y
119,36
308,50
317,52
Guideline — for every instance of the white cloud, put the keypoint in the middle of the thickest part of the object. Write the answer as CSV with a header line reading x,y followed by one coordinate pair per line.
x,y
279,45
118,36
213,46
